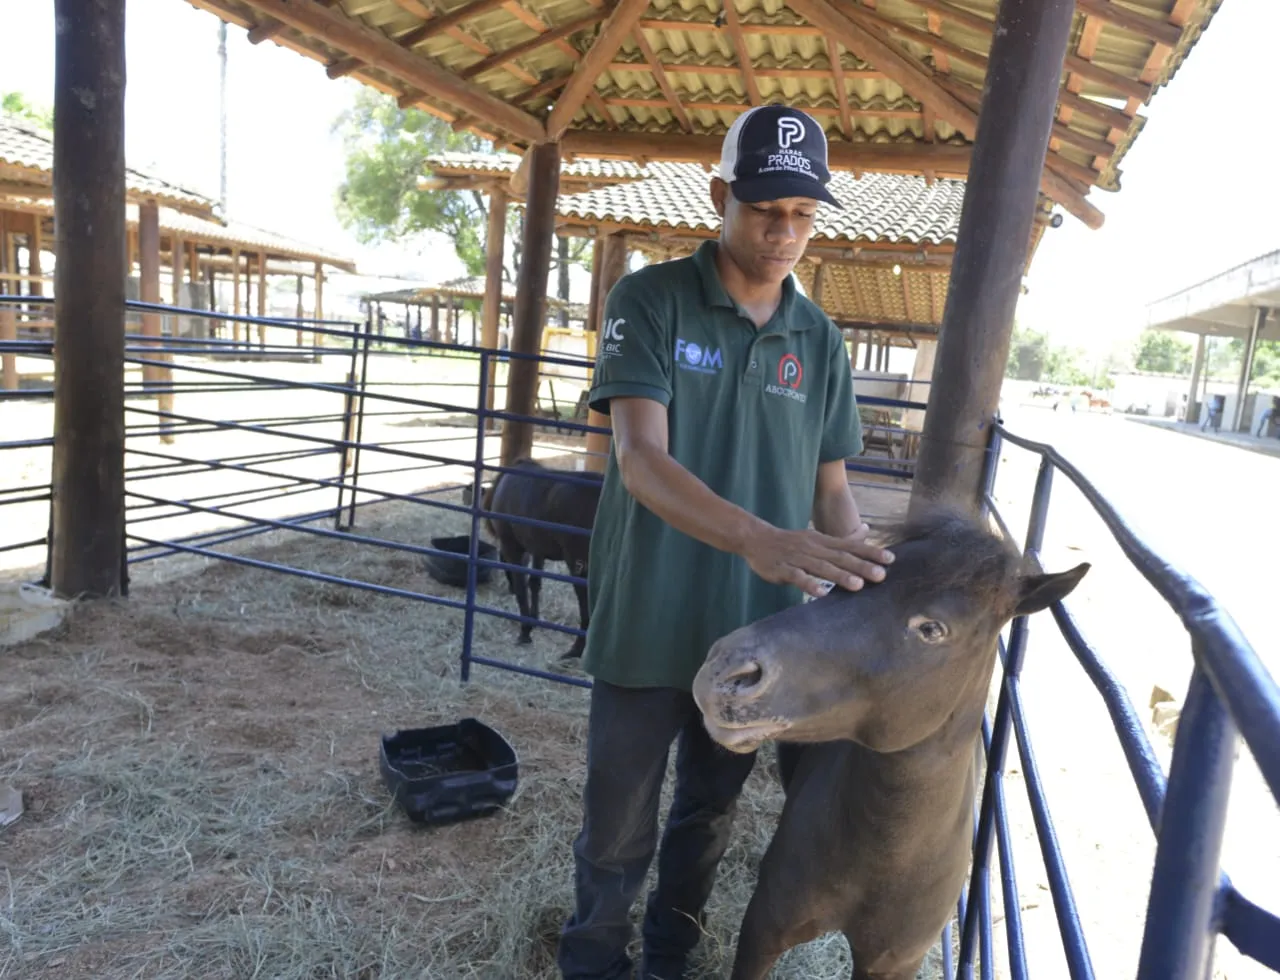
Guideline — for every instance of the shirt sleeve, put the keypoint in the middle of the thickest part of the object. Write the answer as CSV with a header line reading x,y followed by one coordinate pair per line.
x,y
632,354
842,426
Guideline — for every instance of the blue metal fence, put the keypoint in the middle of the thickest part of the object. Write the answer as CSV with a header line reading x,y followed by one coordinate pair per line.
x,y
1189,900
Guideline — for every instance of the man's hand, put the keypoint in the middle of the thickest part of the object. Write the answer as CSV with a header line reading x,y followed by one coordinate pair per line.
x,y
812,560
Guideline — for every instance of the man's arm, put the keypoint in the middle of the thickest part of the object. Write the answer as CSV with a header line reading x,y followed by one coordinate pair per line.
x,y
834,510
807,559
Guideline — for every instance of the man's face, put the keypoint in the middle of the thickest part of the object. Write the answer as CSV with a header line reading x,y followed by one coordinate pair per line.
x,y
766,239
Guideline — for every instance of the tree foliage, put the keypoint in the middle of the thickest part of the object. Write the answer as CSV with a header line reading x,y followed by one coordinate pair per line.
x,y
387,149
1033,358
1162,352
17,104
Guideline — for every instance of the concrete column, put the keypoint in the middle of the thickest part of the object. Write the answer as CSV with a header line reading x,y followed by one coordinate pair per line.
x,y
922,370
1193,393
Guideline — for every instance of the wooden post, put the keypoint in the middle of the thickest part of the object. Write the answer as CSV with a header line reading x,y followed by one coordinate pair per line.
x,y
1018,105
594,303
435,317
87,551
149,279
613,266
236,309
177,258
35,245
317,339
8,316
299,314
819,280
262,298
495,248
531,296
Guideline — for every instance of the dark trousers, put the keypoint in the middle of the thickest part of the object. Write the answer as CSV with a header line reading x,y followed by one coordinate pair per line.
x,y
629,735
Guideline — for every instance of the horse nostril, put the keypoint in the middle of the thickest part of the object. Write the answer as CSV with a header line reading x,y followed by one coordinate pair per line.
x,y
745,679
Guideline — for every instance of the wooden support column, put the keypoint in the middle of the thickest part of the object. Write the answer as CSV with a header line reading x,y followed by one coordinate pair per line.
x,y
531,296
299,314
435,317
87,551
1023,73
8,316
35,245
921,370
495,247
262,298
153,375
613,266
317,339
236,308
594,303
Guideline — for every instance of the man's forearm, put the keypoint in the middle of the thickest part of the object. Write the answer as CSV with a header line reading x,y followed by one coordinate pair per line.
x,y
836,513
655,479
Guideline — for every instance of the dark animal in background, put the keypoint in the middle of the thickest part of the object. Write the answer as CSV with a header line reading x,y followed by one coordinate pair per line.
x,y
534,493
876,698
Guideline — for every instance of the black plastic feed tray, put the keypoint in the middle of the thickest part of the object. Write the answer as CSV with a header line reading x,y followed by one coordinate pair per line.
x,y
448,773
453,571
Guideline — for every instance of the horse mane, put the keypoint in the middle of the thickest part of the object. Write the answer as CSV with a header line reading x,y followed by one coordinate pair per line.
x,y
965,549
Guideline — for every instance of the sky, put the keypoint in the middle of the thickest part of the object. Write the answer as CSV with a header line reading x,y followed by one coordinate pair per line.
x,y
1197,189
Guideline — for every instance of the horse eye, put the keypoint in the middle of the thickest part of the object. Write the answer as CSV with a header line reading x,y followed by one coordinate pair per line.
x,y
929,630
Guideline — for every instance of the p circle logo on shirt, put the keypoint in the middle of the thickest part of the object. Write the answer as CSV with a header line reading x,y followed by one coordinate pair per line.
x,y
691,356
790,374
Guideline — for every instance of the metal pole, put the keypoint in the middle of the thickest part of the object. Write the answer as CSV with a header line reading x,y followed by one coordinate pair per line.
x,y
355,462
89,312
1018,105
1177,941
469,617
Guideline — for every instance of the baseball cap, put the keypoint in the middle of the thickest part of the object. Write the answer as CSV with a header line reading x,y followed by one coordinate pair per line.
x,y
775,151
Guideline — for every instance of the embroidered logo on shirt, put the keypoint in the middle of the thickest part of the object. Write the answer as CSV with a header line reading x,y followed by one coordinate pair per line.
x,y
790,374
694,357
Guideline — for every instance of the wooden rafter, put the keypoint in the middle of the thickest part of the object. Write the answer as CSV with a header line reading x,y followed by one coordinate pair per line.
x,y
940,58
733,24
664,83
731,68
358,40
545,87
535,23
620,23
842,91
851,109
1158,31
501,58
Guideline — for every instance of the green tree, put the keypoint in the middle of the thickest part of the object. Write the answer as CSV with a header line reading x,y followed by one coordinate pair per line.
x,y
387,149
1162,352
1027,353
1063,365
17,104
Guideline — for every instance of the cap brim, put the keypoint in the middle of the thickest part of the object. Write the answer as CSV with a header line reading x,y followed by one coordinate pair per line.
x,y
776,187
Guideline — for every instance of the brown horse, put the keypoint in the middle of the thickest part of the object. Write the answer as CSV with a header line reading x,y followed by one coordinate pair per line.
x,y
536,492
878,698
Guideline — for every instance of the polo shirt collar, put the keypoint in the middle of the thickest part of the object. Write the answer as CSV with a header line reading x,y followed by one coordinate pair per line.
x,y
714,293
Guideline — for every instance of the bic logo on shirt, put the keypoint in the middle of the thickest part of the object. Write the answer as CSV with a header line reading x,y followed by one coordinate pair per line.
x,y
790,374
612,339
695,357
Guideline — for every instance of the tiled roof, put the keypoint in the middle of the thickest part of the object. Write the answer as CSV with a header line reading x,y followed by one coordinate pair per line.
x,y
506,163
234,234
878,208
26,147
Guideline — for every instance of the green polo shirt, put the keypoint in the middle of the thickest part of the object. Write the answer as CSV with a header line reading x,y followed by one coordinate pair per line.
x,y
751,412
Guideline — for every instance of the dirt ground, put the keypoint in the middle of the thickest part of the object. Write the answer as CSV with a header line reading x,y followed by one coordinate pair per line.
x,y
200,761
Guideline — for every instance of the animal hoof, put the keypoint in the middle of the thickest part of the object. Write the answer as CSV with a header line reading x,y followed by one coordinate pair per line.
x,y
525,638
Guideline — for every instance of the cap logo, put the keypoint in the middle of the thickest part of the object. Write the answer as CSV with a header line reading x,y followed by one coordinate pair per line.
x,y
790,130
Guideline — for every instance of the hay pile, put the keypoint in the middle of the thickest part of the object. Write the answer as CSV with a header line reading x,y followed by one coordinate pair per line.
x,y
203,798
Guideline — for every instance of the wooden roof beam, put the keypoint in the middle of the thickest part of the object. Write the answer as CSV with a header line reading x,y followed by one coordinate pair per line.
x,y
647,102
535,23
732,69
361,41
1151,28
500,58
734,24
542,88
664,83
842,93
620,23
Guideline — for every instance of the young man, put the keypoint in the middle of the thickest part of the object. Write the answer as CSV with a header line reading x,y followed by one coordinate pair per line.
x,y
732,408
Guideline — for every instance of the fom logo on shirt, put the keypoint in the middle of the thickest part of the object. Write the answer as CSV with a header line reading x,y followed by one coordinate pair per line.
x,y
694,357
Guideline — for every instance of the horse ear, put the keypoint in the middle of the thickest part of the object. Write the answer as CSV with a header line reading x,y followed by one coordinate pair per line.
x,y
1042,591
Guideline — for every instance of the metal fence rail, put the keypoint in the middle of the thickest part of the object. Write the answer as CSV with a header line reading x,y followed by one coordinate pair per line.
x,y
1190,901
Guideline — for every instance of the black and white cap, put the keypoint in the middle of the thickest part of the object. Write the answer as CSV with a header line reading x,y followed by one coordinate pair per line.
x,y
774,151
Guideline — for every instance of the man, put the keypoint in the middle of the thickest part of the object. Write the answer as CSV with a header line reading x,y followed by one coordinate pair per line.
x,y
732,408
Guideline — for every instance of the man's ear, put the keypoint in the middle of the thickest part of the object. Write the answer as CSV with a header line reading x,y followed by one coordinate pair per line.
x,y
719,194
1042,591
